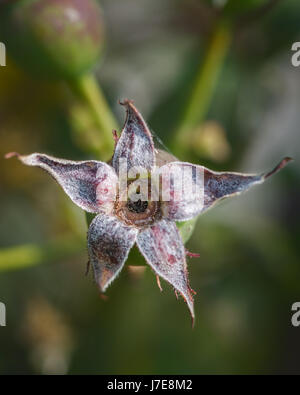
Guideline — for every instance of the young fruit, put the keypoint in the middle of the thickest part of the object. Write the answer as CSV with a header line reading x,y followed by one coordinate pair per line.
x,y
53,38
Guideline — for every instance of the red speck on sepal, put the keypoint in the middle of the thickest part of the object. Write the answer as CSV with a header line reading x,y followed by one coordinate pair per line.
x,y
171,259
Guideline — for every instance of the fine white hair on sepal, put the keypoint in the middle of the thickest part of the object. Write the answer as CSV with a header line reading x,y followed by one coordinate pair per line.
x,y
83,181
135,144
211,187
109,243
163,249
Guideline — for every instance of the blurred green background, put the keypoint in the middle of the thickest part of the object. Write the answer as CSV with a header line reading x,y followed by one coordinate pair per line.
x,y
234,58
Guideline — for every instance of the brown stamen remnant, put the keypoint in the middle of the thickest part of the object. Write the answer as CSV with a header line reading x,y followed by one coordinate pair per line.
x,y
191,254
115,137
158,283
11,155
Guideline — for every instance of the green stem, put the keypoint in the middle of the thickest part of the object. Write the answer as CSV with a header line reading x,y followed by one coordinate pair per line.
x,y
88,89
27,255
204,85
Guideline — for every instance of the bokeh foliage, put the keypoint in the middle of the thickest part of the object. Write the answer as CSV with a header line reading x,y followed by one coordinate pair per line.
x,y
248,273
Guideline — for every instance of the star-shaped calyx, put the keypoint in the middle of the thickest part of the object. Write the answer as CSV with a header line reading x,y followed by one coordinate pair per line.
x,y
138,203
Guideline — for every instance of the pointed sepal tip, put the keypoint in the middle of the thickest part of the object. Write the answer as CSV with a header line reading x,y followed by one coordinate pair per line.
x,y
278,167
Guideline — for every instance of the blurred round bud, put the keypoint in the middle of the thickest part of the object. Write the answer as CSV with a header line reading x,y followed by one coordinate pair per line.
x,y
53,38
209,141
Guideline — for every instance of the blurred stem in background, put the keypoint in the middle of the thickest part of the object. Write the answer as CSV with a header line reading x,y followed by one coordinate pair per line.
x,y
28,255
87,89
204,85
234,15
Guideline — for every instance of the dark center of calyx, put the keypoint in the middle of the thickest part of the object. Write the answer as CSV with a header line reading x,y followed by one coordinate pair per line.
x,y
138,206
